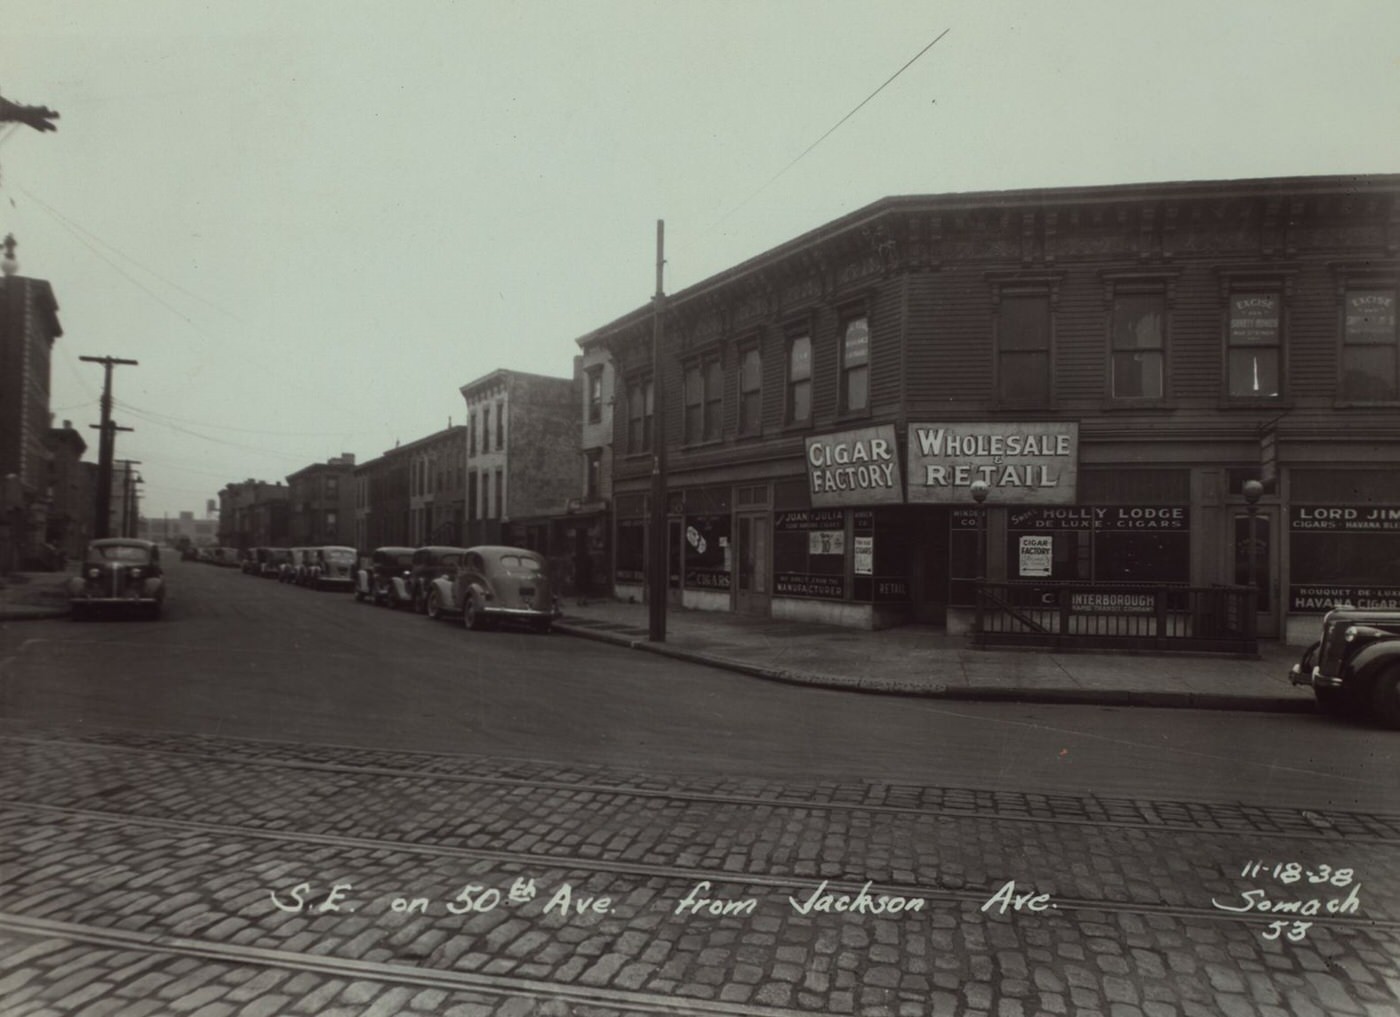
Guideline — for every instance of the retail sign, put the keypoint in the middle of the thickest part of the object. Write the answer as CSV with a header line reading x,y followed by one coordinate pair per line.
x,y
1035,555
858,467
1101,517
1344,518
1022,463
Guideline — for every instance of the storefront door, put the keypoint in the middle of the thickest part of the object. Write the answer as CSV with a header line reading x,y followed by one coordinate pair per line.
x,y
752,588
1264,546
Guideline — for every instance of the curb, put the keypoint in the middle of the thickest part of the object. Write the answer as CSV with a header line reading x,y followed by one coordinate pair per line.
x,y
1053,696
25,613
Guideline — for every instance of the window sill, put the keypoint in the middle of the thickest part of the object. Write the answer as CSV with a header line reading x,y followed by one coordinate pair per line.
x,y
846,416
690,446
794,426
1135,405
1262,403
1365,404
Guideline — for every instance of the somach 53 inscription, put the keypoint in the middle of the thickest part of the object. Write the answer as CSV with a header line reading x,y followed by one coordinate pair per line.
x,y
1025,463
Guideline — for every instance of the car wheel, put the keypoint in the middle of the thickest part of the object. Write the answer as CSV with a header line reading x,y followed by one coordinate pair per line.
x,y
434,609
471,617
1385,698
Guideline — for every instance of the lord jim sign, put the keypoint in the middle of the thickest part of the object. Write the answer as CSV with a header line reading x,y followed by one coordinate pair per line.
x,y
854,468
1028,463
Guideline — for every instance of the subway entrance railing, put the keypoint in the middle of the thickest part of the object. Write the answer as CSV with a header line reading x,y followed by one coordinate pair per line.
x,y
1119,616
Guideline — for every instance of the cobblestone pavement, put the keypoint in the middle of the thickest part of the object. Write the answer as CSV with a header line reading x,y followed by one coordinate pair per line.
x,y
154,875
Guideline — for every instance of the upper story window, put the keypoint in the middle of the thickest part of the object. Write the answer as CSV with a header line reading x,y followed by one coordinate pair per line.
x,y
500,425
1023,350
750,391
799,379
500,494
471,434
1139,344
594,381
1254,344
855,365
485,429
592,474
641,399
704,401
1369,360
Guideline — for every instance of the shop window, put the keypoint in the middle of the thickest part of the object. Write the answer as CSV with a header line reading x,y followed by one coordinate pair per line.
x,y
1369,360
750,391
1147,544
799,380
1139,327
707,551
1343,554
485,494
630,564
855,365
809,554
1254,345
1023,351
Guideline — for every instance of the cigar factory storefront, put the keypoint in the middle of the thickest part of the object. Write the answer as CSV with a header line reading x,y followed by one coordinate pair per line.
x,y
873,528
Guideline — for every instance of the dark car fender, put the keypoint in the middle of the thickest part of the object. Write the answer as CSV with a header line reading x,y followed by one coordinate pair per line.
x,y
1372,660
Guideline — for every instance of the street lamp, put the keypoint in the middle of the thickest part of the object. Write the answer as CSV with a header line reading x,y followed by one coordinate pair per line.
x,y
1252,490
979,495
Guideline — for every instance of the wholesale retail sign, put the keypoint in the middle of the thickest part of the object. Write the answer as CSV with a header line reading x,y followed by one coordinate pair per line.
x,y
1022,463
859,467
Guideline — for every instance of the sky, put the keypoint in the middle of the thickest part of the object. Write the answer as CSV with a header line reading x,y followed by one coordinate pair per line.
x,y
312,222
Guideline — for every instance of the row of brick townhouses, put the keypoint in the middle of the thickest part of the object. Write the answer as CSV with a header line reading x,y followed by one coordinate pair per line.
x,y
1115,362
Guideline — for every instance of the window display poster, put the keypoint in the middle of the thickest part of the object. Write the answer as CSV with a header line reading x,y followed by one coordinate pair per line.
x,y
1035,555
826,542
865,556
706,551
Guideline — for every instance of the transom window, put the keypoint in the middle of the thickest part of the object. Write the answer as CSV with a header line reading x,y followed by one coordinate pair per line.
x,y
1139,344
855,365
1369,361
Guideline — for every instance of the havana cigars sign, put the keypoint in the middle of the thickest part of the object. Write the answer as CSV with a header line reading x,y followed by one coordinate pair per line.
x,y
1022,463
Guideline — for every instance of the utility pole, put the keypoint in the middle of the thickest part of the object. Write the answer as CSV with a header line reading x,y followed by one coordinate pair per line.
x,y
659,573
129,482
106,447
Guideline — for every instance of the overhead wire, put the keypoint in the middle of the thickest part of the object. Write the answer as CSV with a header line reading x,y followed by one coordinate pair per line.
x,y
230,427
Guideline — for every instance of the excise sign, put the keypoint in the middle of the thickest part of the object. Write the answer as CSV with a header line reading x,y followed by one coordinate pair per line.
x,y
1033,463
854,468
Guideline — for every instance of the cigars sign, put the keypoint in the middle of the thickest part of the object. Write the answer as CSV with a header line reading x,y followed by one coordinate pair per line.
x,y
858,467
1027,463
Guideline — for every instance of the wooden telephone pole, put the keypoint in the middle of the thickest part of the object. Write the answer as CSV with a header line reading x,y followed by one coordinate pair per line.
x,y
658,575
106,448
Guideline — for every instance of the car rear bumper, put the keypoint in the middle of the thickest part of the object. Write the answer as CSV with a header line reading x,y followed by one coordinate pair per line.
x,y
113,600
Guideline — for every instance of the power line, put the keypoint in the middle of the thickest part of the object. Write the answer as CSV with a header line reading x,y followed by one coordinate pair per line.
x,y
830,131
217,441
120,253
241,430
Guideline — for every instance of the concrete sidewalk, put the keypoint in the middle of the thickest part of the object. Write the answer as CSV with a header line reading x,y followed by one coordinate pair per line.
x,y
27,596
923,661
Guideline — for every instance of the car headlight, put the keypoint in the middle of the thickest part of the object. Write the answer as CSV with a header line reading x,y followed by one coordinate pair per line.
x,y
1350,633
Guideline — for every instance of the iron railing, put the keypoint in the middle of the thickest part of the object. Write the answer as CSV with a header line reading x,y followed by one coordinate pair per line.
x,y
1123,616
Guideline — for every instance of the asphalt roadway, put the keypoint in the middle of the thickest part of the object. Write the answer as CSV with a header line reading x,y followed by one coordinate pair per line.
x,y
240,656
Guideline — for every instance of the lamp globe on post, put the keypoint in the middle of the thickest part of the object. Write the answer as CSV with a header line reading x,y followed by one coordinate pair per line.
x,y
979,495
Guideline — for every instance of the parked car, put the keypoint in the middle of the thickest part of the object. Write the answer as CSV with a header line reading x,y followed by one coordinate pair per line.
x,y
430,563
295,572
1354,669
249,560
119,572
332,566
496,584
270,567
383,577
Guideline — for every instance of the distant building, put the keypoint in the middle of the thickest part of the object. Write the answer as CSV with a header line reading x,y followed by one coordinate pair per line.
x,y
28,327
254,513
183,530
321,500
70,491
522,457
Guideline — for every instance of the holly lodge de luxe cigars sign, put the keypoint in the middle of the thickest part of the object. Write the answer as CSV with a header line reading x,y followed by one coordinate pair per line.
x,y
1022,463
